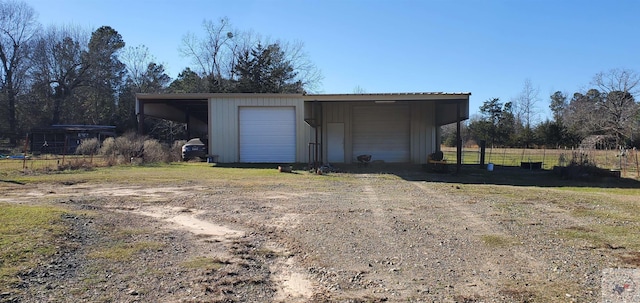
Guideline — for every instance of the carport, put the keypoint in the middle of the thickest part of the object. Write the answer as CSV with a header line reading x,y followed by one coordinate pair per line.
x,y
191,109
393,128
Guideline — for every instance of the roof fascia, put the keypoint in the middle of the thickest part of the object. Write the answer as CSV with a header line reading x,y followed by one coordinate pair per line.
x,y
388,97
207,96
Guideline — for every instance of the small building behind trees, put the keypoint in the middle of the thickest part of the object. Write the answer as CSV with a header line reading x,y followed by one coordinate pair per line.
x,y
64,139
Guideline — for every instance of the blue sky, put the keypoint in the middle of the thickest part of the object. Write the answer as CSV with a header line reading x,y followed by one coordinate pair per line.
x,y
488,48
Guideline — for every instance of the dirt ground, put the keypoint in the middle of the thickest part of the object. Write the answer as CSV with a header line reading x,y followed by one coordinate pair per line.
x,y
357,238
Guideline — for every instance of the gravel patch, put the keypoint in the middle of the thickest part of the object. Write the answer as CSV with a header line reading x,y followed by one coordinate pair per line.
x,y
355,238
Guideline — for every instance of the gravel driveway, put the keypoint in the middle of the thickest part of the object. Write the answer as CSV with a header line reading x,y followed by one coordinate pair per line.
x,y
330,238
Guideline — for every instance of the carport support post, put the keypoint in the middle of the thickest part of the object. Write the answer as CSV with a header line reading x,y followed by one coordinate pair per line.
x,y
458,140
140,117
187,119
315,156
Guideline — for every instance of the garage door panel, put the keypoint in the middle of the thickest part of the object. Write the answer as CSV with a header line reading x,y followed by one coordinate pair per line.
x,y
382,131
267,134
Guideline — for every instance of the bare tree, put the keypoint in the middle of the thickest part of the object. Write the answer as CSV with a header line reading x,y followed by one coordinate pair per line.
x,y
526,104
307,72
18,28
212,52
526,111
359,90
136,60
618,109
215,55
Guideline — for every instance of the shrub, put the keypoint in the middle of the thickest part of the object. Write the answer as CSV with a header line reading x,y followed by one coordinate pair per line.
x,y
580,167
133,148
77,164
153,151
175,153
130,145
108,146
121,149
88,147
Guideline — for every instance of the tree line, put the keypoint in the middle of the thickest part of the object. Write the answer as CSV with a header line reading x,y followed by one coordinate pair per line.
x,y
605,116
69,75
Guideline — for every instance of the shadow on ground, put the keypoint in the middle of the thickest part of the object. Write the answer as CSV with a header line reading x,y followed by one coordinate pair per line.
x,y
516,176
468,174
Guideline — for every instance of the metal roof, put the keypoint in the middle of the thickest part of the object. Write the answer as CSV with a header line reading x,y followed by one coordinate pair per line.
x,y
369,96
394,94
75,127
424,96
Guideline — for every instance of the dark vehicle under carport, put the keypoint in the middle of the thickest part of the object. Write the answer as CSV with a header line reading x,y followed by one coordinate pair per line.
x,y
194,149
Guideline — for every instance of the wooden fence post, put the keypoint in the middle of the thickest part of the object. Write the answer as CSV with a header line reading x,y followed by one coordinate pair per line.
x,y
504,155
24,154
635,151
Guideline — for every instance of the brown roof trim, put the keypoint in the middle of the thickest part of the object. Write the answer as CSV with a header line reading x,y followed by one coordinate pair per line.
x,y
206,96
425,96
388,97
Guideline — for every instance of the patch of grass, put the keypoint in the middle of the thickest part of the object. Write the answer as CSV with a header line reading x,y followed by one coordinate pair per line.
x,y
497,240
128,232
518,294
205,263
601,190
270,253
172,173
631,258
28,236
124,251
538,289
610,214
588,234
606,236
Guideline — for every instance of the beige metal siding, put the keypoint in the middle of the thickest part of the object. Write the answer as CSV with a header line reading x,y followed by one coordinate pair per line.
x,y
423,131
383,131
338,112
422,118
224,125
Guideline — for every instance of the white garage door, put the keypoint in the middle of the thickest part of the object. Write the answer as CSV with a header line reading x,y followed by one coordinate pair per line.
x,y
267,134
382,131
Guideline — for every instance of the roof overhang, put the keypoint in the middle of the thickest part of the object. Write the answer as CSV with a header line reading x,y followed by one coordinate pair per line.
x,y
206,96
177,106
449,107
173,107
387,97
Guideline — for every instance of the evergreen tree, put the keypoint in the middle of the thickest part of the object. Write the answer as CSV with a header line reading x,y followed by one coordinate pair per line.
x,y
266,70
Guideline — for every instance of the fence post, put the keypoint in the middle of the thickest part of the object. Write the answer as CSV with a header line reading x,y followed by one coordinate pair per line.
x,y
483,146
64,150
504,155
24,155
635,151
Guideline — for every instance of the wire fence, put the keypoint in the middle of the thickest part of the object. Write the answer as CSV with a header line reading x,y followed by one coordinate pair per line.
x,y
624,160
49,162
